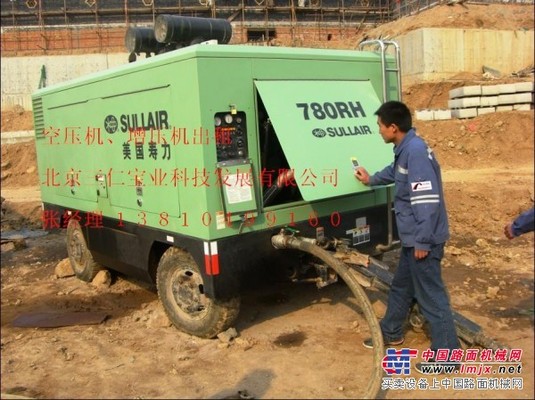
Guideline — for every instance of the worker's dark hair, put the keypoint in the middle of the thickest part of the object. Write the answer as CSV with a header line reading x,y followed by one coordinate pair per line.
x,y
395,112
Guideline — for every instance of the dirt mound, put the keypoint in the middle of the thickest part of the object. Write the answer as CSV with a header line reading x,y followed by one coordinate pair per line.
x,y
435,95
17,120
20,181
19,165
488,141
469,16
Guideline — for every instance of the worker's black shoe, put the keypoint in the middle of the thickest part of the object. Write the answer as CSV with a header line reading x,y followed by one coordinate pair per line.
x,y
432,367
368,343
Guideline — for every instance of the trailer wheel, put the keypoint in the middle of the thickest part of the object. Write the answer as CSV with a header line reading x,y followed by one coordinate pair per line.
x,y
181,291
82,262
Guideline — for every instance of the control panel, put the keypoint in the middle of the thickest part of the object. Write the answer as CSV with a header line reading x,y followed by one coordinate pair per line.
x,y
230,136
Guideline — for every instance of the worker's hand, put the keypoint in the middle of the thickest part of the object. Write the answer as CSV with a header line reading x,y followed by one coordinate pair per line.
x,y
362,175
420,254
508,231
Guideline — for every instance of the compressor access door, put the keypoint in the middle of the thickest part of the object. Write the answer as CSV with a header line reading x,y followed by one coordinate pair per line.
x,y
321,125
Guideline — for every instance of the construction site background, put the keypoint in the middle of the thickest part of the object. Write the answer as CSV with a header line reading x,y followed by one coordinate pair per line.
x,y
36,27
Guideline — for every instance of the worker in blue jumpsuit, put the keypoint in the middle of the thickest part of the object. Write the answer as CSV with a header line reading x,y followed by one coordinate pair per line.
x,y
522,224
422,225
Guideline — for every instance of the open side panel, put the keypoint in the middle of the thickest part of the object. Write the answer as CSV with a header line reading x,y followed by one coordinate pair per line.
x,y
321,125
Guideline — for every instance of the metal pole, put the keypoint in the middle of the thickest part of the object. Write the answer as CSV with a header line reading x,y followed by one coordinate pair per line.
x,y
126,12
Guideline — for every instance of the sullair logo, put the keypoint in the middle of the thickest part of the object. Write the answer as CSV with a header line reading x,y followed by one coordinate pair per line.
x,y
110,124
349,130
318,132
342,131
147,121
130,122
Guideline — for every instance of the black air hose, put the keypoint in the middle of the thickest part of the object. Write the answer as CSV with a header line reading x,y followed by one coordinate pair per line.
x,y
283,241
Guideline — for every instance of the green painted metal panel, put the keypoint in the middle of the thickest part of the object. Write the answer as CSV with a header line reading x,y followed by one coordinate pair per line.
x,y
143,159
63,138
191,85
321,125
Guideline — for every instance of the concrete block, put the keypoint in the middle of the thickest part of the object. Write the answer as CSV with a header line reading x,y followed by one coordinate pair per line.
x,y
507,99
17,136
490,90
465,91
504,108
507,88
442,114
485,110
464,113
526,97
424,115
455,93
465,102
522,107
525,87
516,98
487,101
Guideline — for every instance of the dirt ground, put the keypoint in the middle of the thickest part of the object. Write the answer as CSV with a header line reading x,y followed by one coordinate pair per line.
x,y
295,341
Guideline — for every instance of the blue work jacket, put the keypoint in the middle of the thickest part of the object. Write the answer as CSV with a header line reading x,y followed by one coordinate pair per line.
x,y
524,223
419,199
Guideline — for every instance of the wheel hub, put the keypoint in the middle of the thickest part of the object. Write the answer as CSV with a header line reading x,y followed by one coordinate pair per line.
x,y
188,294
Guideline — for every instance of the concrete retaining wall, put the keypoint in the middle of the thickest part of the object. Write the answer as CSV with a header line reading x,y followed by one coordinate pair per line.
x,y
426,54
431,54
21,75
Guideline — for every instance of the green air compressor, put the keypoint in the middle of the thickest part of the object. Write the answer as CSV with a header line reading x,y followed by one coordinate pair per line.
x,y
178,169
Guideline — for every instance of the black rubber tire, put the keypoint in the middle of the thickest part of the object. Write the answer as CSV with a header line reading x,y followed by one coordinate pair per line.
x,y
84,266
180,288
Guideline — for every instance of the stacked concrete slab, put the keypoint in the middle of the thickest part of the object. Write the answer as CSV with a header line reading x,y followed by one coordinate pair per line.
x,y
471,101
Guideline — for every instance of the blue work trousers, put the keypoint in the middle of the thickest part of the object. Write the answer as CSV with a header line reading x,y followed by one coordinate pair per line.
x,y
422,280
